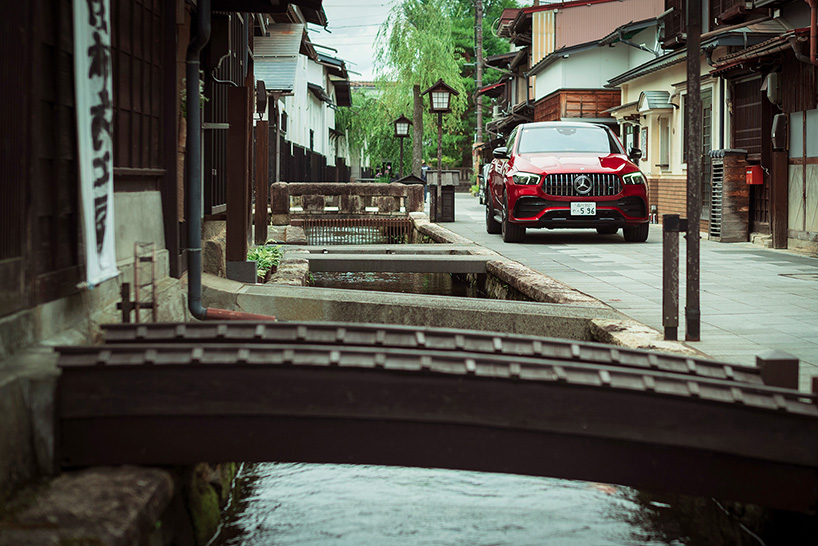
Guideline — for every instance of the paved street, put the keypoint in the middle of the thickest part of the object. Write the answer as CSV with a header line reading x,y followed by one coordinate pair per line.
x,y
752,299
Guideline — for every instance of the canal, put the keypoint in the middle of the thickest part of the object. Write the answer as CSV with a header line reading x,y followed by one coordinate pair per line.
x,y
339,505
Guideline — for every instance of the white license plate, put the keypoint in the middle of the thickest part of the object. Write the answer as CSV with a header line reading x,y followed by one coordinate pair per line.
x,y
583,209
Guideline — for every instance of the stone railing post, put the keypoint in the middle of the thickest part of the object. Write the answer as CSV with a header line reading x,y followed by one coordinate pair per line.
x,y
280,204
414,198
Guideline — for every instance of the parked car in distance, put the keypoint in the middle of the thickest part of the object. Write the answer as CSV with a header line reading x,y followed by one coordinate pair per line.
x,y
559,174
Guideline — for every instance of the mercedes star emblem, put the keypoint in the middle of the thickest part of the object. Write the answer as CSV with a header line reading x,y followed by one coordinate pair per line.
x,y
583,184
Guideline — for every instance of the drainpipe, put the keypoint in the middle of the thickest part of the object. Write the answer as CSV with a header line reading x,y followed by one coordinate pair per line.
x,y
201,35
813,30
794,42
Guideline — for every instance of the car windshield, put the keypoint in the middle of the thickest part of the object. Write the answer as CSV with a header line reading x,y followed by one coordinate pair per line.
x,y
570,138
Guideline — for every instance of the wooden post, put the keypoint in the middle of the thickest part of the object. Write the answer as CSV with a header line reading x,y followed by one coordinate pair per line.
x,y
693,123
262,145
238,170
779,199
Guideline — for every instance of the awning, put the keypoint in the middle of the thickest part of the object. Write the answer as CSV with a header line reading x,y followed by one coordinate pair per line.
x,y
652,101
312,10
319,93
759,51
343,96
500,61
493,90
276,57
628,111
335,67
743,35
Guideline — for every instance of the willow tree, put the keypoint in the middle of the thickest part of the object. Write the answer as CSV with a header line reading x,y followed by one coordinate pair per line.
x,y
414,49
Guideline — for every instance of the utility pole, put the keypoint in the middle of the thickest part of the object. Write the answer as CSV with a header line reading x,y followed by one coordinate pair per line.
x,y
693,122
478,50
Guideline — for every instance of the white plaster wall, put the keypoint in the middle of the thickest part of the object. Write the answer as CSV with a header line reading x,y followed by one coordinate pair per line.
x,y
811,205
585,70
803,194
138,217
796,127
795,199
295,106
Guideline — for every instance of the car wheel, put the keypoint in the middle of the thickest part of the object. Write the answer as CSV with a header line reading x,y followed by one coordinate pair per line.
x,y
636,234
492,225
607,230
512,233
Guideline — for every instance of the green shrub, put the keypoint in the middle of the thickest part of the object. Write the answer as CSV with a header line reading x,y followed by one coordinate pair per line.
x,y
266,257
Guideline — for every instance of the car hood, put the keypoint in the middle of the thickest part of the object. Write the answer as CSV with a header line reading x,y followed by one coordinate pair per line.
x,y
573,163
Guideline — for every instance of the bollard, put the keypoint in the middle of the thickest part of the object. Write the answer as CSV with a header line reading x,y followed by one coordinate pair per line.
x,y
778,369
671,226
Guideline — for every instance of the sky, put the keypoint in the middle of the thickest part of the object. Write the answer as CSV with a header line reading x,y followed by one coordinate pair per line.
x,y
353,25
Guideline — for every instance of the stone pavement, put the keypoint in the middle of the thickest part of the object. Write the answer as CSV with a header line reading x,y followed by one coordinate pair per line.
x,y
752,299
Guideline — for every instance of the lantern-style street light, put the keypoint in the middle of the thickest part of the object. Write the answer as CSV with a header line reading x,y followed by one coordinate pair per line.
x,y
440,96
401,131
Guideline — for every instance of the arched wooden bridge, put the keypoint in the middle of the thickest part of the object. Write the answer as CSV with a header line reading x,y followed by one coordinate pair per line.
x,y
162,394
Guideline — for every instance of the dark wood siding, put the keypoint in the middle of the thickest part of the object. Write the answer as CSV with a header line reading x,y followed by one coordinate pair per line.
x,y
747,115
674,24
228,30
726,10
136,43
15,134
590,103
54,221
798,87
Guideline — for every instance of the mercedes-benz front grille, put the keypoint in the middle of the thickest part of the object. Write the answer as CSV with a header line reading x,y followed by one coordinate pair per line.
x,y
597,184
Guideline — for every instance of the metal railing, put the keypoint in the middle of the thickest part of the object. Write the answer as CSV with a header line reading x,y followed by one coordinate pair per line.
x,y
347,231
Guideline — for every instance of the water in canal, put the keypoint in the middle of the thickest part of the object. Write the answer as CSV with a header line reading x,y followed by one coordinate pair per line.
x,y
322,504
441,284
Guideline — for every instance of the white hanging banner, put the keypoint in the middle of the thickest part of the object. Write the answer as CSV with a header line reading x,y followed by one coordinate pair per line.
x,y
92,77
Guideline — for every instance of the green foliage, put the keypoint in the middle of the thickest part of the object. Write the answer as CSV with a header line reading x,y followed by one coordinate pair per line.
x,y
423,41
370,131
266,257
183,94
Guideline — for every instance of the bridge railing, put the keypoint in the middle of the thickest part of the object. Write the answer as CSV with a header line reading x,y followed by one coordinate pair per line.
x,y
318,199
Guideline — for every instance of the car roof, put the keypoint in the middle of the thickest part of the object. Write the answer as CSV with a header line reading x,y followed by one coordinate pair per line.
x,y
562,124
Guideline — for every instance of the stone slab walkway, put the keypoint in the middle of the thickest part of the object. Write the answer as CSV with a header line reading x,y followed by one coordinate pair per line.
x,y
753,300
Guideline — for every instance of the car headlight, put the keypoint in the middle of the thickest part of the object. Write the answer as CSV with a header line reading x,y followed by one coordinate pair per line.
x,y
526,179
635,178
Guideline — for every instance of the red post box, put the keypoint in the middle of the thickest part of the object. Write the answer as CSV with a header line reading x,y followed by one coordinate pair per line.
x,y
755,174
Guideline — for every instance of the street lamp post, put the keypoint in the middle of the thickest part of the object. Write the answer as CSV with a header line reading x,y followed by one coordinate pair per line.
x,y
401,131
440,96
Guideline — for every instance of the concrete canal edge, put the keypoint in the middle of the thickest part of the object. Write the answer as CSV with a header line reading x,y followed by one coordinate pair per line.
x,y
542,306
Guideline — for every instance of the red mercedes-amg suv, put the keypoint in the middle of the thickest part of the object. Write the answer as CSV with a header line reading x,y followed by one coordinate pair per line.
x,y
558,174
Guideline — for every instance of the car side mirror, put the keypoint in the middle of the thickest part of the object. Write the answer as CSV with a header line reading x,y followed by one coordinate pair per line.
x,y
635,154
501,152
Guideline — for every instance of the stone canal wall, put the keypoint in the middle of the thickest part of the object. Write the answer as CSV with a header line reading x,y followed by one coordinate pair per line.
x,y
543,306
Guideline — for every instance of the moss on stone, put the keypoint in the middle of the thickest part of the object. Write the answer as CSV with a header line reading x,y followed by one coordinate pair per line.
x,y
207,491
